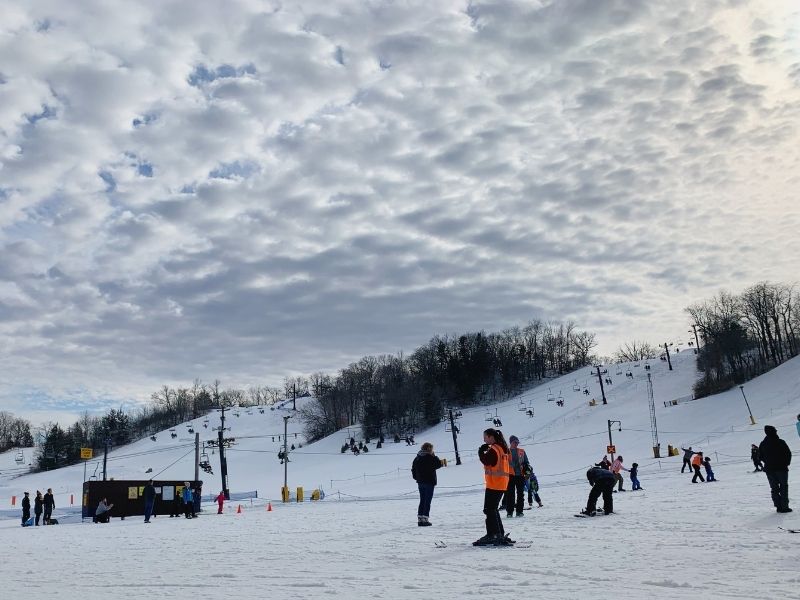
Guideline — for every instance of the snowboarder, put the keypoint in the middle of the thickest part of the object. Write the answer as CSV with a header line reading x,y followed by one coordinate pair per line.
x,y
777,458
26,508
634,475
515,494
49,504
220,501
149,500
709,473
494,455
697,460
687,458
602,482
38,503
755,456
423,470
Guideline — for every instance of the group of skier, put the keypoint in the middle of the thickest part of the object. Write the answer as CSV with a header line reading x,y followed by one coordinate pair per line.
x,y
43,506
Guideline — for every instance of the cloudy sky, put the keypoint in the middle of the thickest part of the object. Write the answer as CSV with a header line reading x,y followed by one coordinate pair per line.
x,y
253,189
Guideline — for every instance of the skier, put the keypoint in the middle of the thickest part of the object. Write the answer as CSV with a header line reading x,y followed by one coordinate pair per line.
x,y
532,485
149,500
615,469
697,460
26,508
755,456
494,455
602,482
515,494
423,470
38,502
634,475
220,500
687,458
777,458
709,473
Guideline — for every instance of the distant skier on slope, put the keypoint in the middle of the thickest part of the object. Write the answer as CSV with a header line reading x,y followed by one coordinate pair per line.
x,y
494,454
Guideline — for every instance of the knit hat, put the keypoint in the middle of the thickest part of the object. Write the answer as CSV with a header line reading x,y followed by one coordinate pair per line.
x,y
770,430
513,438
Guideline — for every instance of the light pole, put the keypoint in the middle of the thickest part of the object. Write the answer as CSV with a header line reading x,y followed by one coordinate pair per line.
x,y
666,350
610,441
454,429
752,419
696,339
285,491
602,389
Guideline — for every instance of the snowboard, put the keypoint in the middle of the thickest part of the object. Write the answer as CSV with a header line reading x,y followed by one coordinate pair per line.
x,y
597,514
790,530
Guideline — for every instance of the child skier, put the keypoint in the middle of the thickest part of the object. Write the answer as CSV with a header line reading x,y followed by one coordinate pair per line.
x,y
709,473
532,485
634,474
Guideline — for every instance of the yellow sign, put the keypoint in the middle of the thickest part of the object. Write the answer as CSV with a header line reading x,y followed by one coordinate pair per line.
x,y
611,449
86,453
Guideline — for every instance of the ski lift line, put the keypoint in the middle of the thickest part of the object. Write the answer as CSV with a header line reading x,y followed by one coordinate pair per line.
x,y
172,464
749,430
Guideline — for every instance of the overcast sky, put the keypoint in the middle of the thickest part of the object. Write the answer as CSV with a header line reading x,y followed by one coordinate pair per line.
x,y
251,189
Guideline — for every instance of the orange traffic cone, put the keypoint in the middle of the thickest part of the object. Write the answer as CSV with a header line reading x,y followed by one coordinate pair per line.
x,y
269,506
239,510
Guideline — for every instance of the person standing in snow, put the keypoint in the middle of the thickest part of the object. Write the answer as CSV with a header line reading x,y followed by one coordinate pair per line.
x,y
423,470
177,504
26,508
38,503
532,484
49,504
494,454
220,501
687,458
709,473
515,494
188,501
103,512
604,463
777,457
149,500
697,460
634,475
755,456
602,482
798,425
616,467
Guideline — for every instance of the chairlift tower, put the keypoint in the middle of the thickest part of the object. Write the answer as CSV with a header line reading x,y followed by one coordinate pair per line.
x,y
653,426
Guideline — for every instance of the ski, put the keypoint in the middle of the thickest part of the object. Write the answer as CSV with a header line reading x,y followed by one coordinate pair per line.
x,y
439,544
790,530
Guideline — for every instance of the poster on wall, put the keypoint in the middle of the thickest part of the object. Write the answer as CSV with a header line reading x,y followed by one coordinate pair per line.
x,y
168,493
133,493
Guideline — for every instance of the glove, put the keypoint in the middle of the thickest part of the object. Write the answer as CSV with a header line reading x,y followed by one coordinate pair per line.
x,y
483,449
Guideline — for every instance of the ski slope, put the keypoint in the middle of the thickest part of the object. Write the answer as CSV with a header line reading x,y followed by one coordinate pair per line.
x,y
674,539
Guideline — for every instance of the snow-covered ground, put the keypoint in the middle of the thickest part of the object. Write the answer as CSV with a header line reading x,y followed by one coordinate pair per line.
x,y
675,539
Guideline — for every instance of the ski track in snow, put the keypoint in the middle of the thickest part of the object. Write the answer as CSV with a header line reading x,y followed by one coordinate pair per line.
x,y
672,540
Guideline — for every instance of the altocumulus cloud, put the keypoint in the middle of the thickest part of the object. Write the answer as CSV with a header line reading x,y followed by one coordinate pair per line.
x,y
255,189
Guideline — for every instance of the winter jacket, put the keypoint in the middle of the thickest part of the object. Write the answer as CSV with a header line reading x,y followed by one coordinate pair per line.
x,y
423,469
697,460
798,427
775,454
26,504
102,508
519,459
755,454
220,499
687,453
496,466
149,493
617,466
37,505
49,501
187,495
597,474
634,471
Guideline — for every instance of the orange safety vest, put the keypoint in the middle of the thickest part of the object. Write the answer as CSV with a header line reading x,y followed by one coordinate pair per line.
x,y
696,460
496,476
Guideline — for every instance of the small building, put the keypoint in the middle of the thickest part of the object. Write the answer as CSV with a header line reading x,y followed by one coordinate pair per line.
x,y
127,496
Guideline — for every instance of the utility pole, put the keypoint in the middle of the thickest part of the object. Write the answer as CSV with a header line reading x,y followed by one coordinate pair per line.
x,y
696,340
455,433
223,462
666,349
294,396
285,492
610,441
602,389
197,456
105,457
653,425
752,419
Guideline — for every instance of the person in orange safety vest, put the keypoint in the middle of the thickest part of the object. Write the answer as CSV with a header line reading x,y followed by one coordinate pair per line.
x,y
697,460
495,456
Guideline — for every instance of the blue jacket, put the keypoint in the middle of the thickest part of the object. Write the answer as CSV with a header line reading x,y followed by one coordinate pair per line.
x,y
187,494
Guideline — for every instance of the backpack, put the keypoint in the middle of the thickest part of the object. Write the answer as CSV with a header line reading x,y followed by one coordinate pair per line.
x,y
527,471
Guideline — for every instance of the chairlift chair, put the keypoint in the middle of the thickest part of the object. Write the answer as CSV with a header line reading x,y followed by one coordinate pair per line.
x,y
522,407
489,416
19,458
530,412
550,396
261,410
576,387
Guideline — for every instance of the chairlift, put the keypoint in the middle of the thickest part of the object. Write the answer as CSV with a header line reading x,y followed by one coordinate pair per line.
x,y
249,412
560,396
550,396
489,416
261,410
522,407
529,412
172,430
19,458
576,387
190,430
154,438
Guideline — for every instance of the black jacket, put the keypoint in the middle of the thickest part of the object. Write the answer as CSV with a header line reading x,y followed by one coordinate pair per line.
x,y
149,493
598,474
49,501
775,454
423,469
37,505
26,504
